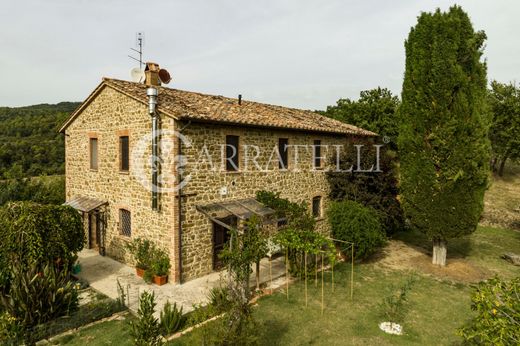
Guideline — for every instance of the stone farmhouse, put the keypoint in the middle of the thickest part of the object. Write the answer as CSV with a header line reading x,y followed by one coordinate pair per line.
x,y
212,154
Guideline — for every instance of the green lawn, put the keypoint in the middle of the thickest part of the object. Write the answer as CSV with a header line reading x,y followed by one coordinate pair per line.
x,y
437,307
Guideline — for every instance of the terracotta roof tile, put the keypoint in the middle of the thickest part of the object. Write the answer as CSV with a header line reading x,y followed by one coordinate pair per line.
x,y
186,105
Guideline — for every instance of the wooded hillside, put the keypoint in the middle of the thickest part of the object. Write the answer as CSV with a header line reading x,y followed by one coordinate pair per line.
x,y
29,140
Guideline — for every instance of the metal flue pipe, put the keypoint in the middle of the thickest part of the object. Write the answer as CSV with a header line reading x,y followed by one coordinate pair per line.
x,y
152,104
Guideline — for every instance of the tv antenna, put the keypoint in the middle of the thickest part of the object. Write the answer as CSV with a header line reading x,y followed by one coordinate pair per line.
x,y
139,43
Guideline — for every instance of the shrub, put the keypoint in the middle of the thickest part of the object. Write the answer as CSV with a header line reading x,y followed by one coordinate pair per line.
x,y
353,222
142,250
35,233
378,190
171,319
39,294
393,307
201,313
160,262
10,329
145,330
219,298
497,304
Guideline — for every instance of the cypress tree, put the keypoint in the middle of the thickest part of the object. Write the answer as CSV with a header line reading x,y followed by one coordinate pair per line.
x,y
443,142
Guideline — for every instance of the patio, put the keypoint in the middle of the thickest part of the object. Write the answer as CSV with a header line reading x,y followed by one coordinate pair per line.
x,y
102,273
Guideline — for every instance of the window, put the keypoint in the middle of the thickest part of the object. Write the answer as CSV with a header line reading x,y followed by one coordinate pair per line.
x,y
316,206
125,222
93,145
232,162
283,150
124,153
317,153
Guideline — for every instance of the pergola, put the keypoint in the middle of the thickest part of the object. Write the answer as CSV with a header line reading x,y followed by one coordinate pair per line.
x,y
242,209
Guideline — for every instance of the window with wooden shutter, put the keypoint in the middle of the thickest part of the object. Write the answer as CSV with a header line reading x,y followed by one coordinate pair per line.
x,y
284,153
232,158
124,153
316,206
93,148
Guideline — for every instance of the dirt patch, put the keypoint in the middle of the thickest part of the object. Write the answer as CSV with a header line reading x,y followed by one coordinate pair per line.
x,y
398,255
502,201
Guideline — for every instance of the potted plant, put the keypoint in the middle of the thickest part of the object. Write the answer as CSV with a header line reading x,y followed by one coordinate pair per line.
x,y
141,249
160,267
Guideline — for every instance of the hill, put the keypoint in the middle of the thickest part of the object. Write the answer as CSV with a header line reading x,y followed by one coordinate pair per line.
x,y
29,141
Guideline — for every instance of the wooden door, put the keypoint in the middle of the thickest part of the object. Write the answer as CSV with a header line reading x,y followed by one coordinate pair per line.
x,y
93,231
220,239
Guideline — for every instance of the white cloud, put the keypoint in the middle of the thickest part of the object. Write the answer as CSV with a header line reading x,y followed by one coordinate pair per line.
x,y
303,54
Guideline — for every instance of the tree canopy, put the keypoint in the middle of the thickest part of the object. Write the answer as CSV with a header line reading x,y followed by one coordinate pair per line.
x,y
29,139
375,110
443,136
504,101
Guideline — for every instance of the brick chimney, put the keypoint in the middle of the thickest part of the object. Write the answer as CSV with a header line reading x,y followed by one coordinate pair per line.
x,y
152,74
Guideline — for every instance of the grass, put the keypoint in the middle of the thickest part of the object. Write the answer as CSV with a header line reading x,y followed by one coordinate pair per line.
x,y
502,200
436,307
116,332
482,248
283,321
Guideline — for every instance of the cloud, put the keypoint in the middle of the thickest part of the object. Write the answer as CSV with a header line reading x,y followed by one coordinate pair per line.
x,y
303,54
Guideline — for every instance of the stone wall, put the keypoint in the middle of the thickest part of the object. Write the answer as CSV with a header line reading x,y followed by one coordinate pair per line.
x,y
205,185
109,115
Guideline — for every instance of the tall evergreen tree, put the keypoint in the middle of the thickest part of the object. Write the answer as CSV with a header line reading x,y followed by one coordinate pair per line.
x,y
443,136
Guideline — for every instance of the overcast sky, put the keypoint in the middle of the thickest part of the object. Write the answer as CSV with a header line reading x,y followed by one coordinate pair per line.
x,y
304,54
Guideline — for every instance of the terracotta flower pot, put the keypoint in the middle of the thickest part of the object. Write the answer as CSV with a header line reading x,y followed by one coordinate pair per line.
x,y
139,272
160,280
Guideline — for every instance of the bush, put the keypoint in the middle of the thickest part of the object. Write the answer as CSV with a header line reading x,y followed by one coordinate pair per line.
x,y
353,222
35,233
160,263
171,319
378,190
10,329
39,294
219,298
142,250
393,307
145,330
497,304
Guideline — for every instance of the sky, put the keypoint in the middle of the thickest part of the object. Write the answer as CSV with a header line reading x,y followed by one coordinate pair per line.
x,y
303,54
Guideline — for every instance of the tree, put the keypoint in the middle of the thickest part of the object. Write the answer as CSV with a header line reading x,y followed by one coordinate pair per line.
x,y
375,110
504,101
378,190
35,233
443,135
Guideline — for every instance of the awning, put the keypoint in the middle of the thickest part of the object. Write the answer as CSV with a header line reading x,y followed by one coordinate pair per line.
x,y
85,204
241,208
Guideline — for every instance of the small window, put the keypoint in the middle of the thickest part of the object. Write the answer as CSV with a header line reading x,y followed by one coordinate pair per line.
x,y
125,222
317,153
232,159
93,153
124,153
283,150
316,206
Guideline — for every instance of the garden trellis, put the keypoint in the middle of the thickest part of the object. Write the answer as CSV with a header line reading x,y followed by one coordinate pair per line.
x,y
320,256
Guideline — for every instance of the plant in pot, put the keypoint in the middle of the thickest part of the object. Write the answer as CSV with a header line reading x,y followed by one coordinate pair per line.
x,y
160,267
141,250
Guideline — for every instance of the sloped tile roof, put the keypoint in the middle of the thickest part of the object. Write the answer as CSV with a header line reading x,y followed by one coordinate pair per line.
x,y
187,105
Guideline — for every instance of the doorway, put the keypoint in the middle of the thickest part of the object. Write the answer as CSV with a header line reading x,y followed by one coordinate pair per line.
x,y
220,238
